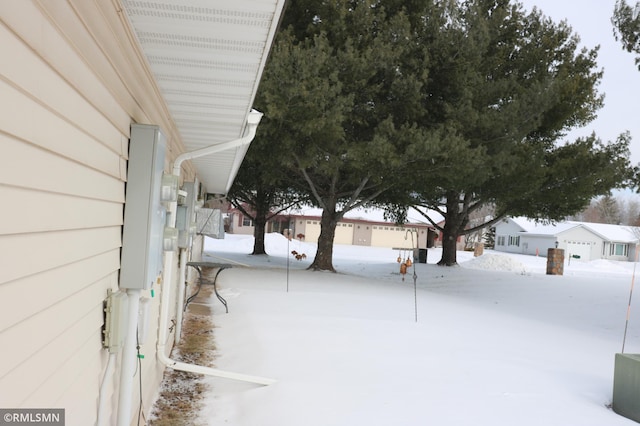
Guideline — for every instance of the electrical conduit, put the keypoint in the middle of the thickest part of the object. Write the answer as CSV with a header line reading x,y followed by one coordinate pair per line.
x,y
182,283
102,400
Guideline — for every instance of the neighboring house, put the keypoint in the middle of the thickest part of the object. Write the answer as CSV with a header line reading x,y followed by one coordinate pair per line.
x,y
358,227
77,79
579,240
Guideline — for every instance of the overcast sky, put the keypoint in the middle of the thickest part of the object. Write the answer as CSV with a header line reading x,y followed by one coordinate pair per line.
x,y
591,20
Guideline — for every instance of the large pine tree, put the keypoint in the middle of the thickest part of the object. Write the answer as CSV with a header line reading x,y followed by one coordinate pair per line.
x,y
504,87
332,88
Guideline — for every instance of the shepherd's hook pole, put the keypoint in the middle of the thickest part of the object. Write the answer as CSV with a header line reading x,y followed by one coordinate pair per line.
x,y
288,253
415,276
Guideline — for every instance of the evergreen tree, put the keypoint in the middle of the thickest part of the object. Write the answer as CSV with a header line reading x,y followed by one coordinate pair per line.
x,y
626,26
262,188
490,237
331,89
503,89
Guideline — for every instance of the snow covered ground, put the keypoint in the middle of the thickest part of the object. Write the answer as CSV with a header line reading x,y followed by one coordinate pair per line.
x,y
496,342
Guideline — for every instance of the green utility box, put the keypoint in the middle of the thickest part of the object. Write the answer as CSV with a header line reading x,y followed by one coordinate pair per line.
x,y
626,386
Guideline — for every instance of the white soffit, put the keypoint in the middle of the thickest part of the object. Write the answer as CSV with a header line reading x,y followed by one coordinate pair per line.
x,y
207,57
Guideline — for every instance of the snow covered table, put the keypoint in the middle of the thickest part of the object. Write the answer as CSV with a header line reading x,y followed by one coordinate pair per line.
x,y
213,265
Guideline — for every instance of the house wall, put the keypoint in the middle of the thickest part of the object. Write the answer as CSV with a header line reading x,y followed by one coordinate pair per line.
x,y
396,236
299,227
311,230
238,227
505,229
71,84
362,233
537,245
579,237
347,232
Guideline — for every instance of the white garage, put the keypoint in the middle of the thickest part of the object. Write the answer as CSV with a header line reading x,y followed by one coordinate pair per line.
x,y
579,250
582,241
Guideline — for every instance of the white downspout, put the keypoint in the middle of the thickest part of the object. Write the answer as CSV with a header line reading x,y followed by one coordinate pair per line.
x,y
252,124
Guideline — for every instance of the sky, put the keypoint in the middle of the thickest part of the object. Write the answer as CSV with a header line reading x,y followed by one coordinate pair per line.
x,y
591,20
493,342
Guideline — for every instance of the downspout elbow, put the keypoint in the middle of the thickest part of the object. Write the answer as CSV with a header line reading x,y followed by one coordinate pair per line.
x,y
252,125
208,371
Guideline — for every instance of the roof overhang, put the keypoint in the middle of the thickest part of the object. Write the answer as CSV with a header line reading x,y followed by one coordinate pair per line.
x,y
207,57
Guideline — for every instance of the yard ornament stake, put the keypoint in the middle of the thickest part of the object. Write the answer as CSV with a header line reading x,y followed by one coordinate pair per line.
x,y
409,263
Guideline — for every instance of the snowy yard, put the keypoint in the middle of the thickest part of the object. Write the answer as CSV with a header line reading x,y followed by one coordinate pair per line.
x,y
497,342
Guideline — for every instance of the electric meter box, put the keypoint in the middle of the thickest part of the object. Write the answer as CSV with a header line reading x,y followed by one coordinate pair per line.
x,y
144,213
185,215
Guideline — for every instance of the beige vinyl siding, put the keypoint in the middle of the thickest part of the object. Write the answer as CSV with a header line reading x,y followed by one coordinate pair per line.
x,y
43,294
50,56
34,211
64,141
71,82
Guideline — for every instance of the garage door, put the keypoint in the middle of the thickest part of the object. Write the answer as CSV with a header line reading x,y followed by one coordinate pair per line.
x,y
577,248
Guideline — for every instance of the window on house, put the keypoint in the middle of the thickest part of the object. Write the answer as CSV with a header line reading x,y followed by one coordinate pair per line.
x,y
514,241
501,240
618,249
246,221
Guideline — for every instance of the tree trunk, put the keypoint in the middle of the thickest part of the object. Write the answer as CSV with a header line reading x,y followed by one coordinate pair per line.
x,y
262,206
455,220
258,235
324,256
449,249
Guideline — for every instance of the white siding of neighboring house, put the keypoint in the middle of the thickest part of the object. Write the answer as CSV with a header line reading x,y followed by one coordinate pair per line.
x,y
537,245
581,241
589,241
71,87
507,233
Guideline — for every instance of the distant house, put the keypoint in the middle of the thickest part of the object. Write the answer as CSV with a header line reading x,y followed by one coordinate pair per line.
x,y
359,227
580,240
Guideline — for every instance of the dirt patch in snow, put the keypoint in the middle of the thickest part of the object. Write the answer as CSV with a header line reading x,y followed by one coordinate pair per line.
x,y
181,393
